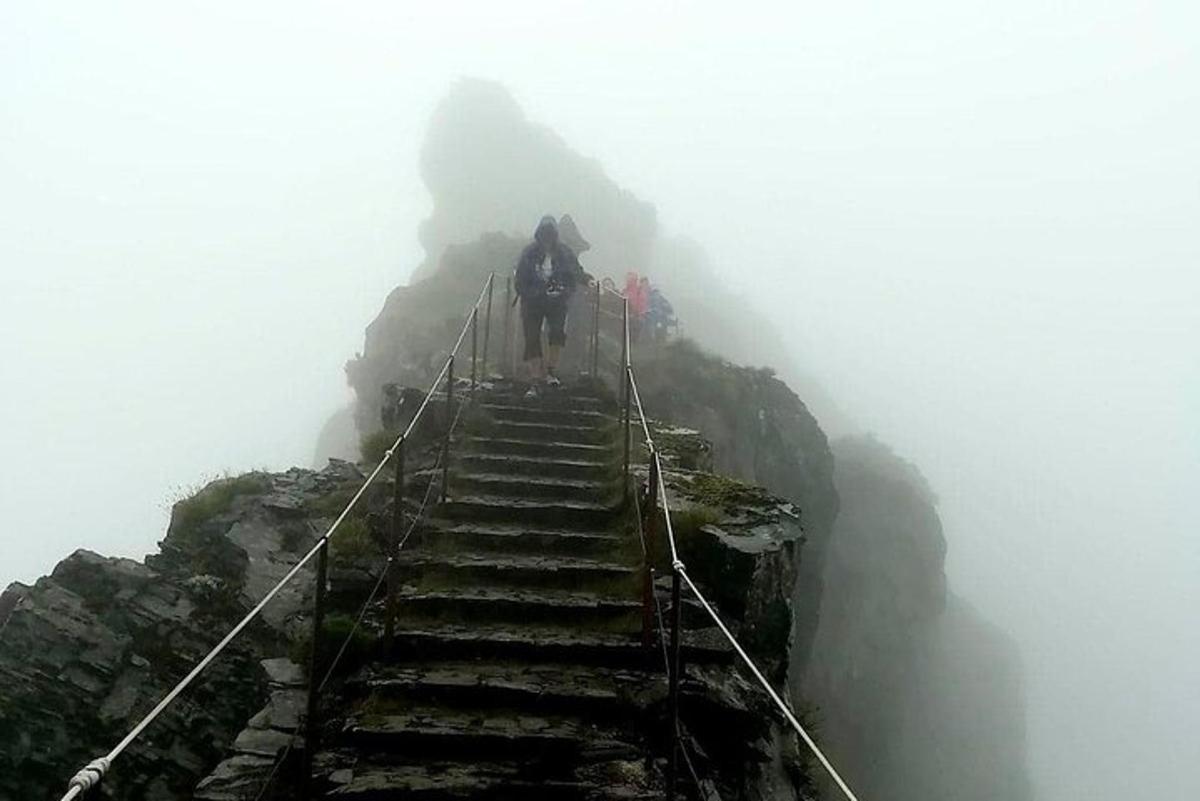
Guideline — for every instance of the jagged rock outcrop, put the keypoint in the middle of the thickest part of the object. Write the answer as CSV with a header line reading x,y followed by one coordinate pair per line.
x,y
275,730
919,698
490,169
88,650
761,433
409,340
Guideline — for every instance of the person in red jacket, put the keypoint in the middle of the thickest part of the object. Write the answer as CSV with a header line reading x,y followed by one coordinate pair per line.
x,y
637,293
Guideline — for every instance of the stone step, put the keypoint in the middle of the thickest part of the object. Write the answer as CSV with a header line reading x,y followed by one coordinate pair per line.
x,y
519,605
553,399
524,486
542,466
551,742
556,415
543,643
457,536
554,432
595,693
488,781
519,570
567,514
532,642
535,448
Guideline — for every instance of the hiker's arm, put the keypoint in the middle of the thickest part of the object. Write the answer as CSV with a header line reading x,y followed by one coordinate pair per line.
x,y
522,274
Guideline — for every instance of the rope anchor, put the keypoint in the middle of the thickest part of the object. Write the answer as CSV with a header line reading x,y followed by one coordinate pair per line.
x,y
90,776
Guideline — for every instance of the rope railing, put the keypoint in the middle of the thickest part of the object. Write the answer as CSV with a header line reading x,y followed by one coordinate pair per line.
x,y
360,617
91,775
657,491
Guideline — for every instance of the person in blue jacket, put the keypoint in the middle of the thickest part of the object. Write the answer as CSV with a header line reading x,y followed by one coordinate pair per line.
x,y
546,276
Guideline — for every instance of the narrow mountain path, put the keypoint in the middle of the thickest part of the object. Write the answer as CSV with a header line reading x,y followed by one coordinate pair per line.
x,y
517,670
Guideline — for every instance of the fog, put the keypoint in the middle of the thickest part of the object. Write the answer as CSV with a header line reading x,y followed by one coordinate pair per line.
x,y
977,224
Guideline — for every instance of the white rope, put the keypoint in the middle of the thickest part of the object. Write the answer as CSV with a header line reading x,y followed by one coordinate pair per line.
x,y
787,712
98,767
362,613
637,399
662,493
681,569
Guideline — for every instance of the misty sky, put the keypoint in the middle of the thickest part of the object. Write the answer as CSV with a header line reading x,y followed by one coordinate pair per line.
x,y
979,222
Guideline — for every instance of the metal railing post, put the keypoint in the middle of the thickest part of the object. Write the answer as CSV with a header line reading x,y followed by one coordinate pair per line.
x,y
673,697
487,328
393,577
474,347
624,339
507,357
626,390
649,524
449,426
312,723
596,333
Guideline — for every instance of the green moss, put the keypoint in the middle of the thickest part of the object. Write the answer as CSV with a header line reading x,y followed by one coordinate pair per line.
x,y
718,491
684,447
336,629
352,542
213,500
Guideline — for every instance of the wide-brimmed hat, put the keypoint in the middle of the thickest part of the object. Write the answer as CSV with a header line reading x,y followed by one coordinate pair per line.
x,y
568,234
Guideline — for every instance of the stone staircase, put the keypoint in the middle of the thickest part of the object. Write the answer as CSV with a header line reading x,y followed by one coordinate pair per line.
x,y
517,670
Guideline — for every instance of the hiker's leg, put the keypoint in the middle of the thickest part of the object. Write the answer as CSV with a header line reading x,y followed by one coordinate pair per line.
x,y
532,313
556,334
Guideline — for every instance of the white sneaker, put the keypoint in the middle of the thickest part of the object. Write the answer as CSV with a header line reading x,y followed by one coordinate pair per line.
x,y
552,380
531,393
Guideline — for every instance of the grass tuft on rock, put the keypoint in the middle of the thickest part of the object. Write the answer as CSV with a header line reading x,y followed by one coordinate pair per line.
x,y
722,492
352,542
215,499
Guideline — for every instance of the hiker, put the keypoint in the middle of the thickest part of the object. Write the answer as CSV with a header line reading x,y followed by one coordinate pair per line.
x,y
637,295
568,234
546,276
660,316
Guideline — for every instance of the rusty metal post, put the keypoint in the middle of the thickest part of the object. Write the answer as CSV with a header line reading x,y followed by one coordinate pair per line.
x,y
673,693
393,575
649,524
596,333
449,427
487,328
628,401
626,385
474,347
507,357
312,724
624,339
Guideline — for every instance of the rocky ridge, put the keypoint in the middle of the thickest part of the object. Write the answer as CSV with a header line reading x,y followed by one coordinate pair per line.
x,y
89,649
142,625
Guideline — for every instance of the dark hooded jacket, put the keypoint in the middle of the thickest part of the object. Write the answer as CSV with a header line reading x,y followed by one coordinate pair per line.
x,y
564,273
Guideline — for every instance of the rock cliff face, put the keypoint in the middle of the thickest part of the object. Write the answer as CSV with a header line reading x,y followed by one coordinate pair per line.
x,y
408,341
761,433
88,650
874,606
832,575
920,698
